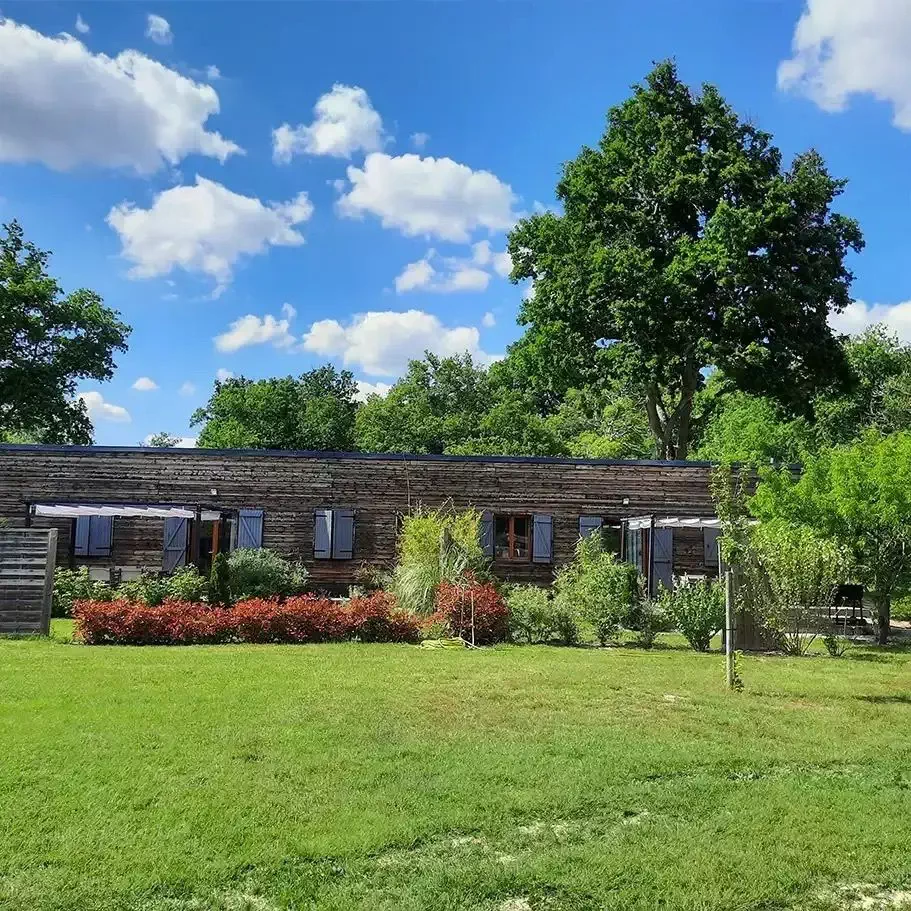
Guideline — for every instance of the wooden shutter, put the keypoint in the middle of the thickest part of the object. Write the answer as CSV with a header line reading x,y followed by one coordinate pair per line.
x,y
81,536
487,533
322,534
588,525
101,534
250,528
710,546
175,543
543,540
663,557
342,534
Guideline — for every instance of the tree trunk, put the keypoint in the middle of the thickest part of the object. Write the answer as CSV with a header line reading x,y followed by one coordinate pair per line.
x,y
883,610
671,428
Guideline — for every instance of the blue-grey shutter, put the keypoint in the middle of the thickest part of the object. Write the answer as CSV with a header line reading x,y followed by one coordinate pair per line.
x,y
663,557
101,534
543,540
322,534
487,533
249,528
588,525
710,546
175,543
342,534
81,536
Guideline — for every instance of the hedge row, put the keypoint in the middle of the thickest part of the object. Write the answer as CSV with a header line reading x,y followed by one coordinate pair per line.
x,y
302,619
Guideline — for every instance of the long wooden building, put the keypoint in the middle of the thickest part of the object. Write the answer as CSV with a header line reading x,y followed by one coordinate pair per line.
x,y
134,509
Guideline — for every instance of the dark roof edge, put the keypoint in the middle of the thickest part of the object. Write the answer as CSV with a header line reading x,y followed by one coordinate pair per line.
x,y
364,456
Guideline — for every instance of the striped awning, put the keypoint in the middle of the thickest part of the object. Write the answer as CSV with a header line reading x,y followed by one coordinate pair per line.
x,y
673,522
74,510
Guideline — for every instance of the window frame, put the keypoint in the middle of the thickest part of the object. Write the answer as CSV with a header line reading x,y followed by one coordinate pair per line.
x,y
510,518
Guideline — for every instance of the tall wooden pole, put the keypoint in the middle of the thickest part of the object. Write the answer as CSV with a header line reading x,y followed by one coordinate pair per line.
x,y
729,627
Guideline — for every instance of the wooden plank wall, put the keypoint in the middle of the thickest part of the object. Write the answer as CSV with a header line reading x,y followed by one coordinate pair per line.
x,y
290,487
27,558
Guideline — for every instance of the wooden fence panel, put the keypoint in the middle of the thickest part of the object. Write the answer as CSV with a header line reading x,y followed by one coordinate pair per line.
x,y
27,560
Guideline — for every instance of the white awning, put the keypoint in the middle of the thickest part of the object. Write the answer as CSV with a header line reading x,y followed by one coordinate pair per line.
x,y
74,510
673,522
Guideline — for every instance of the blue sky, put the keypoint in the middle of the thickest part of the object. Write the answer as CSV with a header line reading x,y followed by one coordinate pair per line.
x,y
260,188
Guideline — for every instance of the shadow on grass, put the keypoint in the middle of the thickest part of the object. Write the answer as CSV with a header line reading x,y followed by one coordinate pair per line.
x,y
898,699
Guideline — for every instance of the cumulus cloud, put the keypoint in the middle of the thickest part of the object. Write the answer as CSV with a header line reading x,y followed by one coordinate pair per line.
x,y
428,196
204,228
81,25
382,342
158,29
456,273
223,375
859,315
848,47
187,389
145,384
100,410
345,122
255,330
64,106
419,140
365,390
488,320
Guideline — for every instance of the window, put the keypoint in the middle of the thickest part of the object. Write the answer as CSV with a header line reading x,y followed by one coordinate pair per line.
x,y
512,537
333,534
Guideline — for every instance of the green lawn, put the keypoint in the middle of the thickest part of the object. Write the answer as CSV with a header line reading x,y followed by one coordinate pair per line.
x,y
390,778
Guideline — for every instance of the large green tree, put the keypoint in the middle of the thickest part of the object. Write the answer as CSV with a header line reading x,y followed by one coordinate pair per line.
x,y
439,403
685,244
49,341
859,494
313,411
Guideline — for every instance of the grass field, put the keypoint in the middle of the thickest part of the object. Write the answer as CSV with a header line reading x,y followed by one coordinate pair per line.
x,y
255,778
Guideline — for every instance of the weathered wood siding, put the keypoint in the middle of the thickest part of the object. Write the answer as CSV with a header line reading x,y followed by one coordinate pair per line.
x,y
26,579
289,487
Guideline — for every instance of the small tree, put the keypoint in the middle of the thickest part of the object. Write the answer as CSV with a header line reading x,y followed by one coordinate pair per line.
x,y
801,571
697,609
860,495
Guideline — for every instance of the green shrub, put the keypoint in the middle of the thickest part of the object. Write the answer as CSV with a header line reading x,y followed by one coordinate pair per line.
x,y
532,614
901,608
436,546
71,585
148,589
262,573
220,581
187,584
648,618
835,645
598,588
696,608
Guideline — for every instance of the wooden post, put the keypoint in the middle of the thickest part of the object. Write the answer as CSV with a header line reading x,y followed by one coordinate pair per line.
x,y
729,627
197,531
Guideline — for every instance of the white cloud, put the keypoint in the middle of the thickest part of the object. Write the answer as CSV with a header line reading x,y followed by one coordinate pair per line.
x,y
859,315
488,320
365,389
255,330
100,410
187,389
204,228
65,106
419,140
223,375
288,312
457,273
847,47
213,72
81,25
345,123
145,384
182,442
382,342
428,196
158,29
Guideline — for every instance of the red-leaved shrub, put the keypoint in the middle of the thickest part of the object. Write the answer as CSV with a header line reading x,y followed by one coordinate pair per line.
x,y
302,619
491,616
